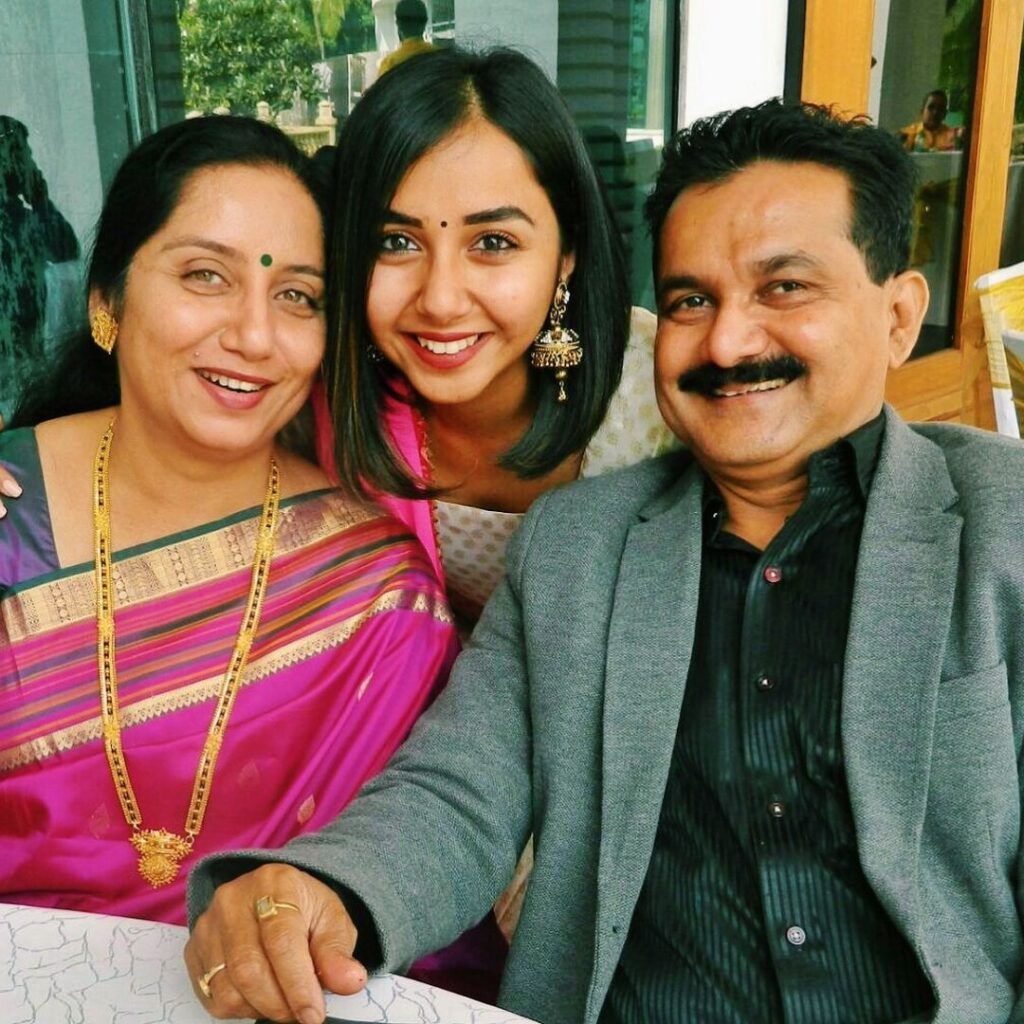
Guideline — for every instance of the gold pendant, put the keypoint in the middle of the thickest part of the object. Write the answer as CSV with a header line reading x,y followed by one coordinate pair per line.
x,y
159,853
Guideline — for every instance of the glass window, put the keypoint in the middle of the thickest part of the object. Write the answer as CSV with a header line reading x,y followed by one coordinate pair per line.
x,y
1012,250
60,76
922,89
309,63
83,82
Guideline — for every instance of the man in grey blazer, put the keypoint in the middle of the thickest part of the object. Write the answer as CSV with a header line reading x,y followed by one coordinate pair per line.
x,y
759,702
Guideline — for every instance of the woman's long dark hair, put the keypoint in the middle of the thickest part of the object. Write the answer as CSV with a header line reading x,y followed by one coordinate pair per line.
x,y
141,199
401,117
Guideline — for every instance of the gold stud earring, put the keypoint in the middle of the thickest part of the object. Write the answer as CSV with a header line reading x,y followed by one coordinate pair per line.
x,y
104,330
557,348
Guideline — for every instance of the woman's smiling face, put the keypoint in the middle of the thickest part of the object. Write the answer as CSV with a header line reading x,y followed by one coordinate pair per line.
x,y
220,325
470,254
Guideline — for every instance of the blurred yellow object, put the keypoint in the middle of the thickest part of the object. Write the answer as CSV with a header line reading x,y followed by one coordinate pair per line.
x,y
1002,309
408,48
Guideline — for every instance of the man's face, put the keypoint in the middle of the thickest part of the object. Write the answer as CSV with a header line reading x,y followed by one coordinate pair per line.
x,y
773,341
934,111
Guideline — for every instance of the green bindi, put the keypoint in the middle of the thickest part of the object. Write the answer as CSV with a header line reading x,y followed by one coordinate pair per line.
x,y
266,259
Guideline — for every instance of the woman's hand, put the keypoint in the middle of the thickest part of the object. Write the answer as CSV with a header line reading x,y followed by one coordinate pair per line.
x,y
269,943
9,488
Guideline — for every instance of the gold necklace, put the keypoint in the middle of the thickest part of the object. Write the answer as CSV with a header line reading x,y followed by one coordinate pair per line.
x,y
161,851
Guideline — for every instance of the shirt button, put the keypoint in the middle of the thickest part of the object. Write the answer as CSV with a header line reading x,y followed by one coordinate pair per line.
x,y
772,573
795,935
776,808
764,683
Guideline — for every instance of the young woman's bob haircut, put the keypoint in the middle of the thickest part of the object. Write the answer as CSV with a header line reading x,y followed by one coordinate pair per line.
x,y
406,113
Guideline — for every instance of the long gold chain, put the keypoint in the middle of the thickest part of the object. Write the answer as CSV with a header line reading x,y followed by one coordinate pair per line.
x,y
161,851
422,428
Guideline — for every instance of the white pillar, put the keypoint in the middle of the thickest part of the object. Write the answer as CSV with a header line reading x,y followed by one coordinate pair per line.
x,y
733,55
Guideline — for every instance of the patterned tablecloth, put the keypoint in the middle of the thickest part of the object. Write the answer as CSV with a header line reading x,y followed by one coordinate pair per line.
x,y
61,967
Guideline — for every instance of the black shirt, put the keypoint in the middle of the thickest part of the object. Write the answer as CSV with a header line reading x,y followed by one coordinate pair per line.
x,y
755,909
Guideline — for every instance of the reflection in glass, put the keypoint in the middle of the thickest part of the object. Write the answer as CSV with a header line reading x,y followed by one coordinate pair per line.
x,y
1012,250
38,250
1002,292
82,82
306,65
922,90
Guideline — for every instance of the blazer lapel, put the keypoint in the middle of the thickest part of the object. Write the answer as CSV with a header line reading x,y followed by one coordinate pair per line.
x,y
649,642
899,621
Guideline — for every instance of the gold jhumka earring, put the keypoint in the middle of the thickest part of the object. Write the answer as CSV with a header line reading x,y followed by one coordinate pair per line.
x,y
557,348
104,330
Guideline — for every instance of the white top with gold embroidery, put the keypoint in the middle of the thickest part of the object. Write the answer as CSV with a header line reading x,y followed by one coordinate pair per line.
x,y
473,539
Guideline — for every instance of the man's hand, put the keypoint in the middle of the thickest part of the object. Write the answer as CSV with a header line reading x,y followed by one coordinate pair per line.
x,y
281,937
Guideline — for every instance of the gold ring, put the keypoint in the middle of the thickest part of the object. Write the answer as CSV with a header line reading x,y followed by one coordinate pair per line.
x,y
267,906
204,981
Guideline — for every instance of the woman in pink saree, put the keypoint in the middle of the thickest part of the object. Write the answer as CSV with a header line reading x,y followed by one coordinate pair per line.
x,y
202,645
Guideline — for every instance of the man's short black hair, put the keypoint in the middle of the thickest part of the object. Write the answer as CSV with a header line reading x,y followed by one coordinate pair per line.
x,y
880,173
411,17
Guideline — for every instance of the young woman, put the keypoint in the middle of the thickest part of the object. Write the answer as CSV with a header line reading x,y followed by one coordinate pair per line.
x,y
478,309
201,645
481,347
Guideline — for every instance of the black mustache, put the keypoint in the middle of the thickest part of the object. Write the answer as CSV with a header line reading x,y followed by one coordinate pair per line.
x,y
709,378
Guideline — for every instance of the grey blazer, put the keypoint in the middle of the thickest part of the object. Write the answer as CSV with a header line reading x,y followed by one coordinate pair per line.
x,y
561,715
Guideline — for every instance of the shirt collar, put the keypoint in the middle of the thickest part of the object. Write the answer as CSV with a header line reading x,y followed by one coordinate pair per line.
x,y
850,459
859,452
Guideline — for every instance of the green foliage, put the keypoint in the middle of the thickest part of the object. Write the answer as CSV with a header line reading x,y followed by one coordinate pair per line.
x,y
959,61
238,52
328,15
356,33
960,57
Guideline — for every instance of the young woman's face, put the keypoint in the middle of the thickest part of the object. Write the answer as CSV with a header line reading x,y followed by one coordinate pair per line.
x,y
221,332
469,258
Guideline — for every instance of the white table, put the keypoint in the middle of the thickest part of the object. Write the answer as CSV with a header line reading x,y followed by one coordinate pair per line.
x,y
61,967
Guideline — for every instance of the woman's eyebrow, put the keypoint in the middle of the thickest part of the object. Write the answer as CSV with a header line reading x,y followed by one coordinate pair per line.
x,y
200,243
304,268
498,213
394,217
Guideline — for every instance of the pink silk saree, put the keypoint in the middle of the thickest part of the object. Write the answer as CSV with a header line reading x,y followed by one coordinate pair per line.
x,y
403,429
354,640
471,965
